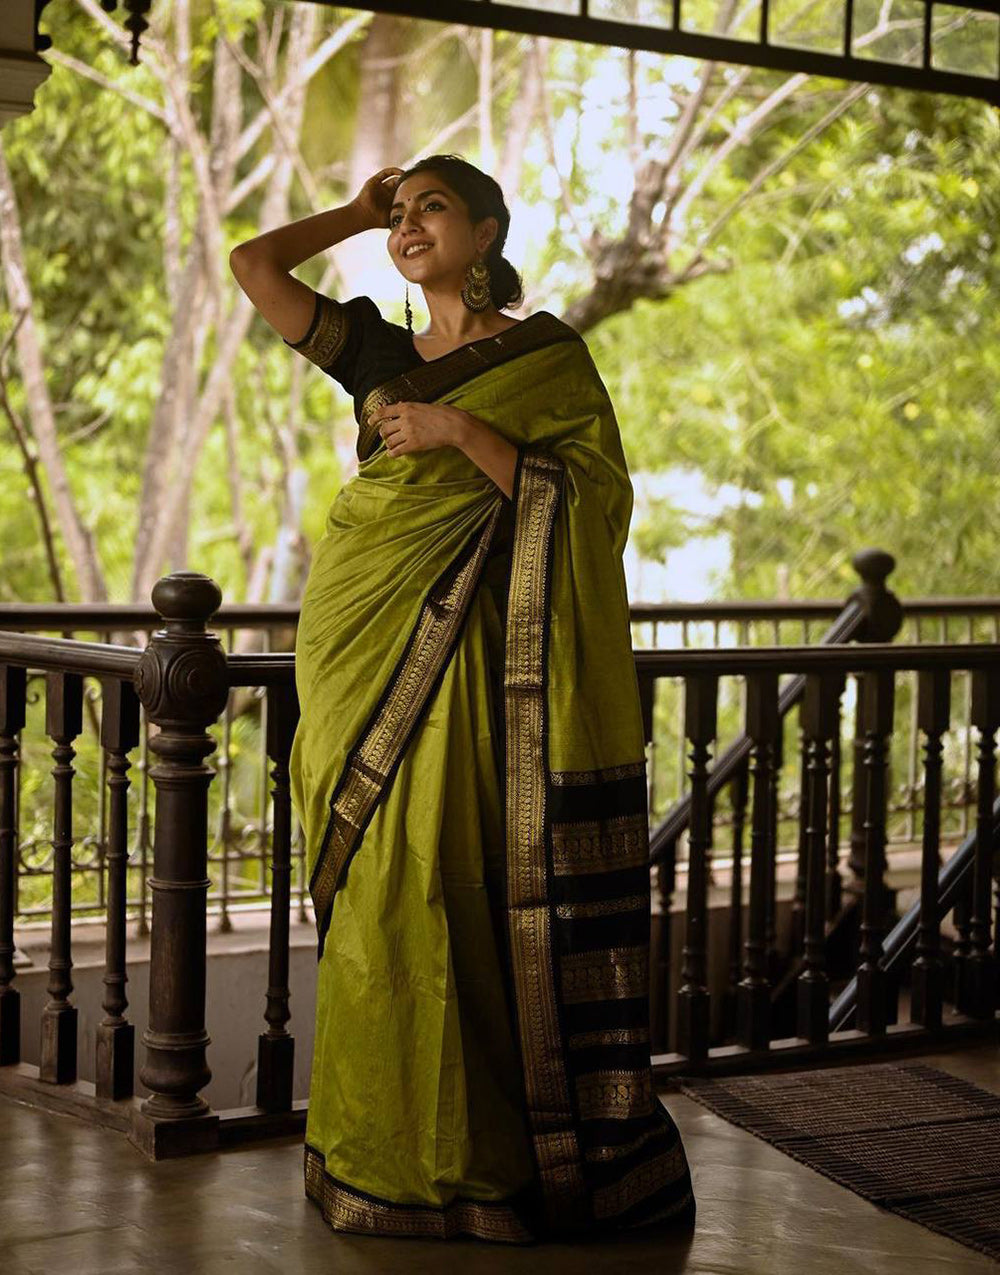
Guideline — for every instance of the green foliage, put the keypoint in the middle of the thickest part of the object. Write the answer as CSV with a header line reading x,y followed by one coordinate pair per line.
x,y
836,387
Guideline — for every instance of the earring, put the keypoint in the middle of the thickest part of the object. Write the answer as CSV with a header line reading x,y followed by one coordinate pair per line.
x,y
476,290
409,312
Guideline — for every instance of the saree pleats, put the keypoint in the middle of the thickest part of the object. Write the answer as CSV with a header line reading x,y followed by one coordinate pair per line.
x,y
469,769
415,1095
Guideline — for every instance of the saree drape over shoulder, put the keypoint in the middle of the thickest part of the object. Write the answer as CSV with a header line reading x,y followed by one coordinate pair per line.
x,y
469,771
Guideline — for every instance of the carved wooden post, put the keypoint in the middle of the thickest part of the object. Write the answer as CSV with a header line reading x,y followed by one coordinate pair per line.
x,y
13,687
63,723
798,911
933,713
773,956
754,992
884,617
739,787
276,1047
834,885
182,682
662,885
700,698
981,962
878,695
819,721
115,1035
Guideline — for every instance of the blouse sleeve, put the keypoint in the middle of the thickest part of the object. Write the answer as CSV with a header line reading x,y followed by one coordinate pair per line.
x,y
335,336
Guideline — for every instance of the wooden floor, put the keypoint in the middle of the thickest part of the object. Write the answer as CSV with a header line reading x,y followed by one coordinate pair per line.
x,y
81,1201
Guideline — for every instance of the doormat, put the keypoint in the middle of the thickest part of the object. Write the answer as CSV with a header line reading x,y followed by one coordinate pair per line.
x,y
916,1140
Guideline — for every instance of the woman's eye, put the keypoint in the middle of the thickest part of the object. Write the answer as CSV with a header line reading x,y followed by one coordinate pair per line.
x,y
431,203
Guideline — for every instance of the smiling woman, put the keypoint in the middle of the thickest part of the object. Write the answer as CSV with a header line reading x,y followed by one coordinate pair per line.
x,y
477,848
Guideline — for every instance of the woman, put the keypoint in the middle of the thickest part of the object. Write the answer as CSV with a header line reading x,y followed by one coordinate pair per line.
x,y
469,765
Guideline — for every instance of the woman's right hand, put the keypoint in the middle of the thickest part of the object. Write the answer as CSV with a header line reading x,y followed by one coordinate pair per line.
x,y
374,199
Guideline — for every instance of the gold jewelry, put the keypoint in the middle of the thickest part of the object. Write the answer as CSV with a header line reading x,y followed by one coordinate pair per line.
x,y
409,312
476,290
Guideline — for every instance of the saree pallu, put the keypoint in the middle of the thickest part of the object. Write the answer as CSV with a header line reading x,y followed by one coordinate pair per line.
x,y
469,771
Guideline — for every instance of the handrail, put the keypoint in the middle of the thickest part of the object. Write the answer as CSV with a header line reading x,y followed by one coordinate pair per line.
x,y
68,655
903,935
819,658
108,616
872,612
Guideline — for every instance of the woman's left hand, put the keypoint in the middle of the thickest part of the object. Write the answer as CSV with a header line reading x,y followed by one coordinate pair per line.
x,y
418,427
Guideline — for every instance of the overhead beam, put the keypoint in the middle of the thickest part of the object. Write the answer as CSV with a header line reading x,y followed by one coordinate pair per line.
x,y
529,20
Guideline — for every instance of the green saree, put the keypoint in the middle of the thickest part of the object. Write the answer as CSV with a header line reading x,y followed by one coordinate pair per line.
x,y
469,772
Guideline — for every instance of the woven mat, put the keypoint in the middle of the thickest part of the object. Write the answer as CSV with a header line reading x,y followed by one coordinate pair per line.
x,y
917,1141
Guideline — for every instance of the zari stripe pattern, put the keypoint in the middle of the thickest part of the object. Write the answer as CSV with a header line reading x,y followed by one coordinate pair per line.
x,y
373,759
578,916
537,488
327,333
345,1208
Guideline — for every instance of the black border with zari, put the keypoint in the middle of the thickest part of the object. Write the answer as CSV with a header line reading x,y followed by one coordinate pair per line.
x,y
347,1208
439,376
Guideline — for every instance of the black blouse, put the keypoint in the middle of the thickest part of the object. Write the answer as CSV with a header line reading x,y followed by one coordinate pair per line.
x,y
350,341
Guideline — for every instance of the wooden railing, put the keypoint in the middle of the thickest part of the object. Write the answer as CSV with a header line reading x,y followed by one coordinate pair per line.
x,y
239,804
723,1018
963,971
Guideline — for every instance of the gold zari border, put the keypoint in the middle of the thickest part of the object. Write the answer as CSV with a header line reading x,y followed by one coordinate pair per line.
x,y
608,774
600,845
616,1095
603,907
610,1036
640,1183
435,377
329,334
547,1093
620,1150
345,1210
372,759
609,973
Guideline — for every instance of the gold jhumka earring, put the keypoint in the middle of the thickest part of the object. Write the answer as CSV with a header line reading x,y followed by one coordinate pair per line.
x,y
476,292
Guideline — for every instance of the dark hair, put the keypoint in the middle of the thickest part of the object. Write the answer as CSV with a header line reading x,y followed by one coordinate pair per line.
x,y
484,198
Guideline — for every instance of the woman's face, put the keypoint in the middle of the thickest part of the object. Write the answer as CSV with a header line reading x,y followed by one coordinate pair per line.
x,y
426,211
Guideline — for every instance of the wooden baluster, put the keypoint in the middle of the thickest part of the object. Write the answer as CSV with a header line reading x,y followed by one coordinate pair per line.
x,y
834,884
115,1043
798,918
660,891
985,717
754,992
276,1046
700,698
933,714
961,946
878,696
855,884
183,683
819,721
774,962
663,883
738,788
13,684
63,723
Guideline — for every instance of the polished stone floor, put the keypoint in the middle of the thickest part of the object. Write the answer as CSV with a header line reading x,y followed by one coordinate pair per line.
x,y
82,1201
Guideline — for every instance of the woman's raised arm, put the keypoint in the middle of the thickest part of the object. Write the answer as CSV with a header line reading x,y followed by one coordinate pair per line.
x,y
262,265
